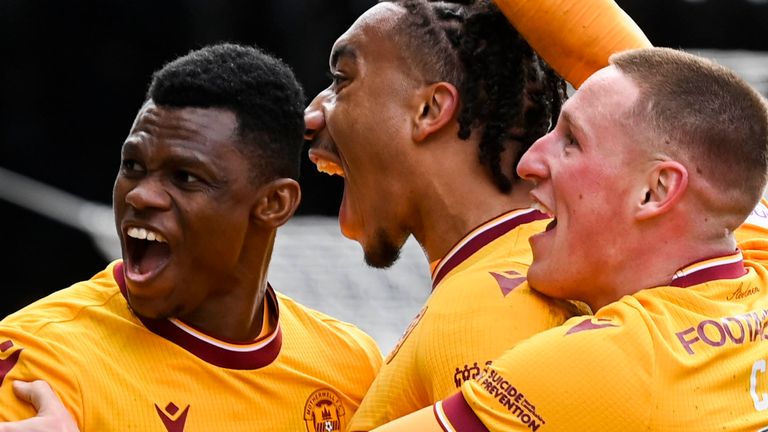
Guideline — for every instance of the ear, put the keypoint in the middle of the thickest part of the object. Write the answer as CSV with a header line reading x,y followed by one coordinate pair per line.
x,y
276,202
666,185
438,104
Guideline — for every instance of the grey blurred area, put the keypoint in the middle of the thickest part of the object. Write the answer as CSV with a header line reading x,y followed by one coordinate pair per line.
x,y
750,65
313,263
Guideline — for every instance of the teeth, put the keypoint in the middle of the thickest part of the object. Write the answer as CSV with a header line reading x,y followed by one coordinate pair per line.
x,y
542,208
328,167
143,234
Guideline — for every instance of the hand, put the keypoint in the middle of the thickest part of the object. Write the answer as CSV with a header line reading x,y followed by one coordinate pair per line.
x,y
52,416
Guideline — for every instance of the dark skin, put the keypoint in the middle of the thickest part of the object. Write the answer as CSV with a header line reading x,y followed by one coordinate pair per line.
x,y
196,228
406,171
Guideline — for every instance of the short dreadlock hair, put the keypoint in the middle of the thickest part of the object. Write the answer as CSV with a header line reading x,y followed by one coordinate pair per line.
x,y
506,91
258,88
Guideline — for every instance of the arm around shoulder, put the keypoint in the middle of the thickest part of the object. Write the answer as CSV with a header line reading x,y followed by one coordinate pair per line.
x,y
562,378
52,416
27,357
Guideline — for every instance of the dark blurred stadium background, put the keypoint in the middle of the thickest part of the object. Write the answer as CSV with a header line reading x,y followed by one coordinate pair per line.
x,y
74,74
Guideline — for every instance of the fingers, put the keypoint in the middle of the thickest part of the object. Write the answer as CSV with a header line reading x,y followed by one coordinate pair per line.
x,y
52,416
29,425
40,395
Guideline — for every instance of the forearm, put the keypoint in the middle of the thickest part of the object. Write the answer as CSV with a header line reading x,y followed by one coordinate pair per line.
x,y
575,37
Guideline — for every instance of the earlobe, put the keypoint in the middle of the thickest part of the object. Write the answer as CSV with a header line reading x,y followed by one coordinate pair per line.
x,y
439,102
666,185
277,202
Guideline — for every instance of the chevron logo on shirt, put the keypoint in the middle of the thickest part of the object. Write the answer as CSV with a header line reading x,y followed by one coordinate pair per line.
x,y
167,414
508,280
589,324
9,362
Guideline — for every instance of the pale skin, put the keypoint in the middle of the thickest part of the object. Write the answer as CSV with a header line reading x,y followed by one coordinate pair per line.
x,y
589,168
52,416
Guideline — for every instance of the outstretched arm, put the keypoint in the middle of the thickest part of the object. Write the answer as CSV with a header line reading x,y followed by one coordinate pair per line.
x,y
52,416
575,37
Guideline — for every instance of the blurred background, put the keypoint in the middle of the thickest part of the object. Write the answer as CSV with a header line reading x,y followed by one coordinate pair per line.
x,y
74,73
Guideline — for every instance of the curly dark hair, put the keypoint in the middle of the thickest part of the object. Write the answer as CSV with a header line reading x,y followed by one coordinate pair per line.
x,y
259,89
507,93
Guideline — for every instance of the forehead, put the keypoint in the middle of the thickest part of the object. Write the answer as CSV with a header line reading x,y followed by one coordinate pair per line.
x,y
370,36
603,104
185,126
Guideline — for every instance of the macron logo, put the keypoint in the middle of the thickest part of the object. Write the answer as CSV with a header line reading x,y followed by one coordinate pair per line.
x,y
9,362
508,280
167,414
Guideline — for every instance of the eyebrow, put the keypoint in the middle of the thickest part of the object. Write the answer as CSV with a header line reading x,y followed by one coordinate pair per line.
x,y
342,51
572,125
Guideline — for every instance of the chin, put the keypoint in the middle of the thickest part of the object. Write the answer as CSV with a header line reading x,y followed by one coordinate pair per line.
x,y
537,279
382,252
151,309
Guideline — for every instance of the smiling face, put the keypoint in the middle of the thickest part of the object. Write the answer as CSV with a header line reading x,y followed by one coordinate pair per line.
x,y
589,175
182,201
361,125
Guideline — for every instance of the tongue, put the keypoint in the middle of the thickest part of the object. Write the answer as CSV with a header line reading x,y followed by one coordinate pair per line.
x,y
155,255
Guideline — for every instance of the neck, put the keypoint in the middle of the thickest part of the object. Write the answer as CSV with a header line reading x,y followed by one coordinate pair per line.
x,y
655,267
457,204
236,313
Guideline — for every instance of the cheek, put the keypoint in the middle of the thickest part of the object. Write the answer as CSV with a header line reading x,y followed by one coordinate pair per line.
x,y
218,230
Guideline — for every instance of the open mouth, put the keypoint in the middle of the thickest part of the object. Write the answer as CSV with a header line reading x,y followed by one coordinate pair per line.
x,y
551,225
326,162
147,250
544,209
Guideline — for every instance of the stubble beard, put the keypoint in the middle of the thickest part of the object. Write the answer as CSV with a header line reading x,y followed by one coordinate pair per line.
x,y
383,251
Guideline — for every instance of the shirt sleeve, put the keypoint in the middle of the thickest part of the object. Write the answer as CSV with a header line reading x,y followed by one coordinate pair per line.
x,y
574,37
590,374
27,357
459,332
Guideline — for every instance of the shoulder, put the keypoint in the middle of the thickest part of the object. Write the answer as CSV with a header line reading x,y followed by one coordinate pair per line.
x,y
319,326
615,338
66,306
590,359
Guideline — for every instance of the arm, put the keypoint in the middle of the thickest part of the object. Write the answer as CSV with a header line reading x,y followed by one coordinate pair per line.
x,y
52,416
575,37
530,385
27,356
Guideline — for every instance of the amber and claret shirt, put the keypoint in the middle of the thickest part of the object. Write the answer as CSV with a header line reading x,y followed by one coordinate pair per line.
x,y
118,372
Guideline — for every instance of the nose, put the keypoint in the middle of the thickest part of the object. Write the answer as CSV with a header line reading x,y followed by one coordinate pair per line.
x,y
314,118
314,122
532,165
148,193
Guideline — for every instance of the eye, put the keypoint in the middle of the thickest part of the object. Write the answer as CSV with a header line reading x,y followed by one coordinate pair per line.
x,y
185,177
571,141
131,166
337,79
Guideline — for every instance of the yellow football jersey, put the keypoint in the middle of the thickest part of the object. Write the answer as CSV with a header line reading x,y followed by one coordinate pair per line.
x,y
691,356
118,372
480,305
